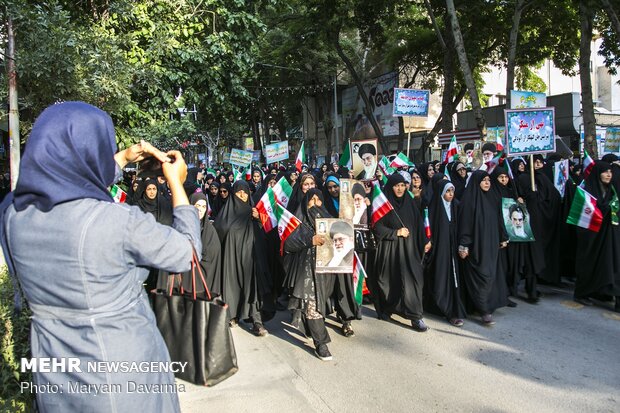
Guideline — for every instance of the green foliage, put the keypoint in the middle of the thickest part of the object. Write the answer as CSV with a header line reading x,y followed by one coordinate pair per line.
x,y
138,60
527,79
14,344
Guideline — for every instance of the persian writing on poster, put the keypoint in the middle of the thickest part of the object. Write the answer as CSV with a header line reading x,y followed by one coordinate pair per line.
x,y
411,102
240,157
530,131
276,152
522,99
612,140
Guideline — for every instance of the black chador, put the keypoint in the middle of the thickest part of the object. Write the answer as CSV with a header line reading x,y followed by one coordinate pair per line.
x,y
544,206
520,260
598,253
398,260
481,230
442,293
246,278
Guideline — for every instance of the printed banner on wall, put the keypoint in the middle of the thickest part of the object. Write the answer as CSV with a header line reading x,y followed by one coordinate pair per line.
x,y
276,152
522,99
530,131
411,102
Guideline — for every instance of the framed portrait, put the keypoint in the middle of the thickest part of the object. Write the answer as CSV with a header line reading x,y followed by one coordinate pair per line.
x,y
470,153
364,158
353,203
516,221
336,254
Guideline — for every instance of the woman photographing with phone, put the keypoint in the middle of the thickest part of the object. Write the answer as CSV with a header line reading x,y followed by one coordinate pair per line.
x,y
81,259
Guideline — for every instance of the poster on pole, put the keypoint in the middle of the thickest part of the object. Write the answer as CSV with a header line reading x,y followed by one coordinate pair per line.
x,y
530,131
276,152
523,99
240,157
411,102
612,140
336,254
364,158
255,156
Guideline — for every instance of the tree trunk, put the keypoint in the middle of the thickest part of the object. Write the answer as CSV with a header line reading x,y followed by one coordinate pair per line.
x,y
512,50
613,17
14,140
586,18
465,67
360,88
449,77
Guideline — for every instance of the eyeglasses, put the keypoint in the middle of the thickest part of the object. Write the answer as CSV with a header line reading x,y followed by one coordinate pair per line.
x,y
341,239
223,191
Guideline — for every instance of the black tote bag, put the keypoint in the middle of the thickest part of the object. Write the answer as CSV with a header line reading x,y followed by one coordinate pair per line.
x,y
196,331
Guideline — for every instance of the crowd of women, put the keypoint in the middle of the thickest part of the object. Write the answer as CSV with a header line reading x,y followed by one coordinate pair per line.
x,y
465,265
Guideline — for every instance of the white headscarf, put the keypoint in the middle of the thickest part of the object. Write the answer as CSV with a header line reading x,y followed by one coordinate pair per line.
x,y
447,205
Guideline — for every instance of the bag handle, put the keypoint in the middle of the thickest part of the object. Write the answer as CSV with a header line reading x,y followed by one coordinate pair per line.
x,y
196,264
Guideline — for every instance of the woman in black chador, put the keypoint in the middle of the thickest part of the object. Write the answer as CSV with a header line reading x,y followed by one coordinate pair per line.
x,y
481,235
598,253
401,242
310,292
544,206
246,278
521,260
441,274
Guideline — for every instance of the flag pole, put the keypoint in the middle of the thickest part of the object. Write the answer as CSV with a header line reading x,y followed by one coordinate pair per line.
x,y
532,172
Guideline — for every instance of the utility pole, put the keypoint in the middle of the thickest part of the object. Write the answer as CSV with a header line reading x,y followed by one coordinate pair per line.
x,y
14,151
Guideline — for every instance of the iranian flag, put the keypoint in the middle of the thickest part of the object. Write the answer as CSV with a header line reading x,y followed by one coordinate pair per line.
x,y
287,222
588,164
358,278
384,165
452,154
584,212
301,155
118,194
345,159
248,173
282,191
427,224
380,204
400,161
266,207
500,143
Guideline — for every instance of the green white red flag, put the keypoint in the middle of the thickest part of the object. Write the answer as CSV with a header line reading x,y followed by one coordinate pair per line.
x,y
358,279
584,213
283,190
384,165
380,204
266,210
452,154
301,155
588,164
401,160
427,224
287,222
118,194
345,159
492,164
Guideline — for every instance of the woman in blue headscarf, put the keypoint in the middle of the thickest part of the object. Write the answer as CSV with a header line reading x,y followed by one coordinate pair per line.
x,y
86,296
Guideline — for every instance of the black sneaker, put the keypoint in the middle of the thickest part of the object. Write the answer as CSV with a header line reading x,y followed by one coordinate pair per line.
x,y
322,352
347,329
419,326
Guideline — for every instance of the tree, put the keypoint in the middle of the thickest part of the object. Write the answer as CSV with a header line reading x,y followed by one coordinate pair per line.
x,y
586,19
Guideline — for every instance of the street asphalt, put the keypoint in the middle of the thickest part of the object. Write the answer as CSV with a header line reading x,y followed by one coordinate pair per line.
x,y
557,356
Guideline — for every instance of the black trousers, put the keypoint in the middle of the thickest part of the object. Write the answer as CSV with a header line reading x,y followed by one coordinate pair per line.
x,y
317,331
